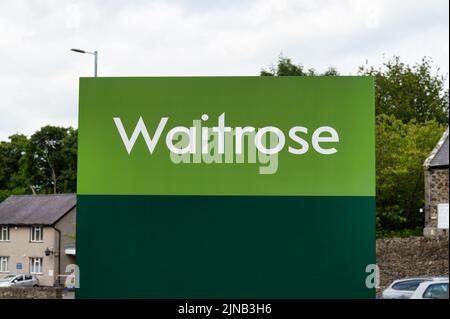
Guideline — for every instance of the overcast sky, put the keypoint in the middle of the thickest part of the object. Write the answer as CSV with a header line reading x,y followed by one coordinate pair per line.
x,y
39,75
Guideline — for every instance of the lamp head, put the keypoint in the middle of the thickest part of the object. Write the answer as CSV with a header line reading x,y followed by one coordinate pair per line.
x,y
78,50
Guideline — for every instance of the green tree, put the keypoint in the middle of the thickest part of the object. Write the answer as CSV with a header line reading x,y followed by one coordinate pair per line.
x,y
410,92
68,180
50,160
12,177
285,67
401,149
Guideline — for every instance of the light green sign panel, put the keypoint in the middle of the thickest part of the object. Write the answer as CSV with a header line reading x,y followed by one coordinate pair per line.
x,y
226,187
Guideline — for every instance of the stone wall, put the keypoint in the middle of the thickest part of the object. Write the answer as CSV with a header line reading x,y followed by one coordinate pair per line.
x,y
409,257
31,293
436,192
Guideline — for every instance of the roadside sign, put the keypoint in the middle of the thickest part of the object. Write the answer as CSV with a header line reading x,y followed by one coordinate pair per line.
x,y
226,187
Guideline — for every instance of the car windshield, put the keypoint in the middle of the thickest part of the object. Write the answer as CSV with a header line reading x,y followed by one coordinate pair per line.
x,y
7,278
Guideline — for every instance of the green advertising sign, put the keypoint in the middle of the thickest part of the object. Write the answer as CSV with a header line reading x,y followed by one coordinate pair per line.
x,y
226,187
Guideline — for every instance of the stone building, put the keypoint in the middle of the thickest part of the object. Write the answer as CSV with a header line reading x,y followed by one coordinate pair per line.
x,y
436,188
37,236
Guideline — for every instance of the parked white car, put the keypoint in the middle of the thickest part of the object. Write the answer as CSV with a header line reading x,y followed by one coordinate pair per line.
x,y
405,288
431,290
19,281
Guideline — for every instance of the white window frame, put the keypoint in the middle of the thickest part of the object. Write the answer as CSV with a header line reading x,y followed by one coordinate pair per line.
x,y
4,260
33,235
34,262
4,233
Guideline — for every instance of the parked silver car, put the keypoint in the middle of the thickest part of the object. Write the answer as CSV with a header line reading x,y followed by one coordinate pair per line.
x,y
19,281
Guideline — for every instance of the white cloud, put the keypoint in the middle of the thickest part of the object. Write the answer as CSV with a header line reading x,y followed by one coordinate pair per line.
x,y
39,76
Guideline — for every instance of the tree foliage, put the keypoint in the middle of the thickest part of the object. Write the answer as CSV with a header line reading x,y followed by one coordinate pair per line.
x,y
285,67
410,92
11,163
401,149
44,163
50,160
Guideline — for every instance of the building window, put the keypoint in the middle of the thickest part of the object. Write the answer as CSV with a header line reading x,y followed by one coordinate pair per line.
x,y
4,233
35,265
4,264
36,234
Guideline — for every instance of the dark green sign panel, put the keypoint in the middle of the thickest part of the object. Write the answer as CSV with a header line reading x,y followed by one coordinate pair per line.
x,y
226,187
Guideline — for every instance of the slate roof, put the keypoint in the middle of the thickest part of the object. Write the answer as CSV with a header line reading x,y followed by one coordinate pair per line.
x,y
439,156
35,209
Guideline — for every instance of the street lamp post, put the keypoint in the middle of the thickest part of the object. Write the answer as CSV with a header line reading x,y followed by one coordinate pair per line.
x,y
95,54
